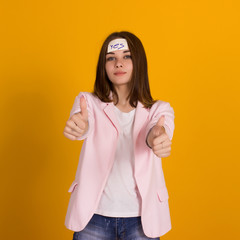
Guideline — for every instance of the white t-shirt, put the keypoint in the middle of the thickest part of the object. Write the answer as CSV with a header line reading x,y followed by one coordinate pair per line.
x,y
120,197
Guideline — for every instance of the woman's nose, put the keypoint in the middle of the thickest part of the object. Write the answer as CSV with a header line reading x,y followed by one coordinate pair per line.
x,y
119,64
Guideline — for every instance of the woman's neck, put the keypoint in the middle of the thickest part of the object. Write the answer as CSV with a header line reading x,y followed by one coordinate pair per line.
x,y
123,103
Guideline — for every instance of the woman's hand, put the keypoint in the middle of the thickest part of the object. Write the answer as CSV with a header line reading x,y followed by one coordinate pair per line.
x,y
158,140
77,125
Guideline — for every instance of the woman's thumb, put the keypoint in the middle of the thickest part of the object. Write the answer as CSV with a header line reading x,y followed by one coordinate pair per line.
x,y
83,107
158,126
160,122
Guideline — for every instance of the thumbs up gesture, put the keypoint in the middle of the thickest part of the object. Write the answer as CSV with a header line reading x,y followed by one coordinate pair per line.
x,y
77,125
158,140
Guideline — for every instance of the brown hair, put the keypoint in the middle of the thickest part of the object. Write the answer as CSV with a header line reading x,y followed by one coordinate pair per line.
x,y
139,85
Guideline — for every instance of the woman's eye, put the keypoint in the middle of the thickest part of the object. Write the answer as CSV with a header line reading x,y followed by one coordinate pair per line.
x,y
110,58
128,56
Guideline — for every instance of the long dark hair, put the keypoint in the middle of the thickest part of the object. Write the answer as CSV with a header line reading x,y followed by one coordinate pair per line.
x,y
139,84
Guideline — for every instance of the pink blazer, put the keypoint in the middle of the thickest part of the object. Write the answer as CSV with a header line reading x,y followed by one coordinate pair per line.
x,y
96,160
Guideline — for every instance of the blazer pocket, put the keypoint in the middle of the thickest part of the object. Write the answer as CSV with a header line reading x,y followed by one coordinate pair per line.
x,y
73,185
162,194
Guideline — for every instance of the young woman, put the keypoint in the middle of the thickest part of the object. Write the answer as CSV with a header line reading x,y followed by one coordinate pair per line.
x,y
119,191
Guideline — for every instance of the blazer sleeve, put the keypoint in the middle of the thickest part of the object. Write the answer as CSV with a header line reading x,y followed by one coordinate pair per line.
x,y
158,109
76,109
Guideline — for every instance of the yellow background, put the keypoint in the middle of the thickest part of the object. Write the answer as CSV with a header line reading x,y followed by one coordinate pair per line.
x,y
49,52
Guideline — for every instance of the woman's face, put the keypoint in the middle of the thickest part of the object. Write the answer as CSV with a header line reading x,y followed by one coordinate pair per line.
x,y
119,67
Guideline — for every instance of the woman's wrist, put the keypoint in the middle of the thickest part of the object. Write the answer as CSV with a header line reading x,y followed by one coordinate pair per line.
x,y
147,138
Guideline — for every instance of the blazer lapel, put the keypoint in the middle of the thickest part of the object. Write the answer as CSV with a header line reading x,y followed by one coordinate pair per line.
x,y
109,111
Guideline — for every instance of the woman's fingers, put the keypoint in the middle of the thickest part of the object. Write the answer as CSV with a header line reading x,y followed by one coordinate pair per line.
x,y
74,126
73,132
77,125
165,152
162,145
69,136
163,137
161,155
77,120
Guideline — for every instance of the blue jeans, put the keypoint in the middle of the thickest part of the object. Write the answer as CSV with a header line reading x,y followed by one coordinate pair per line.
x,y
112,228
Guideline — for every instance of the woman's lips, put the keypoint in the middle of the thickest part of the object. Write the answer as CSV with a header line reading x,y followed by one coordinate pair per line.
x,y
119,73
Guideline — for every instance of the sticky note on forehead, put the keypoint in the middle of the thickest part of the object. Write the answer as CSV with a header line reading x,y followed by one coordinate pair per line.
x,y
117,44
